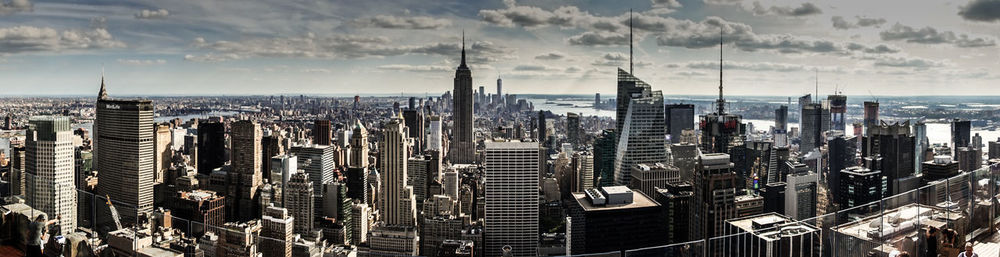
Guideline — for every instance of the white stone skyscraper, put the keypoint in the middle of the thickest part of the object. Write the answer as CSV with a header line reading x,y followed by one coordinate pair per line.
x,y
396,200
359,146
642,138
434,139
49,159
511,198
123,154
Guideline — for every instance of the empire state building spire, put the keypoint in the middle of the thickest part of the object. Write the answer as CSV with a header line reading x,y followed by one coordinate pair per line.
x,y
463,52
463,142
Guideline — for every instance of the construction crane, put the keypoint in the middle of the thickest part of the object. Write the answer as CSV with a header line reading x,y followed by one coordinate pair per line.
x,y
114,213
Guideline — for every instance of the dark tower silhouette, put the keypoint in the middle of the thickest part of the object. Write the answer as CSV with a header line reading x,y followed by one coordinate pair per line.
x,y
463,144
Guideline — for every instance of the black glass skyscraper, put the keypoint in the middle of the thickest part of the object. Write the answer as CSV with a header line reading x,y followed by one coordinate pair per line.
x,y
679,118
781,118
604,158
211,146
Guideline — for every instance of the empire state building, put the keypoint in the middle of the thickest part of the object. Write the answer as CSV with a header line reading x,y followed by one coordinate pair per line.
x,y
463,143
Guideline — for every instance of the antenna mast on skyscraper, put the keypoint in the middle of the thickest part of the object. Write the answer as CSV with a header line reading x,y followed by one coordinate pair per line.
x,y
463,49
630,42
721,102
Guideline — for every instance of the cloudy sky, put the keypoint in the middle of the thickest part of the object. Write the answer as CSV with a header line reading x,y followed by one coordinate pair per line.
x,y
239,47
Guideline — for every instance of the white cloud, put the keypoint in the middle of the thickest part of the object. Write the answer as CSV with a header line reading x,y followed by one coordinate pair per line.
x,y
152,14
212,57
142,62
23,39
415,68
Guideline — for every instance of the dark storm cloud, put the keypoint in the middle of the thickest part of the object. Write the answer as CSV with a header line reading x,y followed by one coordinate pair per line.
x,y
981,10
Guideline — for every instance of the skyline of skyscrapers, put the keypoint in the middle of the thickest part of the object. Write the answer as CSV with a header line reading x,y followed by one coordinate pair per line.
x,y
466,173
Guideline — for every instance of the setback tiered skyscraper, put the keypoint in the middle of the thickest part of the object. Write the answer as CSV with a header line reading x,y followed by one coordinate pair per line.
x,y
49,167
643,134
123,146
894,145
277,232
511,198
397,202
463,142
714,199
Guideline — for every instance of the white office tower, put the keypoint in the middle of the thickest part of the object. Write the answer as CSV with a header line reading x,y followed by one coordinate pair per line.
x,y
643,137
396,202
511,198
360,222
434,140
49,165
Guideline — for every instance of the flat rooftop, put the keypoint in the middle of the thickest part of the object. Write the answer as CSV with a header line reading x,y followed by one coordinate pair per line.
x,y
511,145
746,223
639,200
907,214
